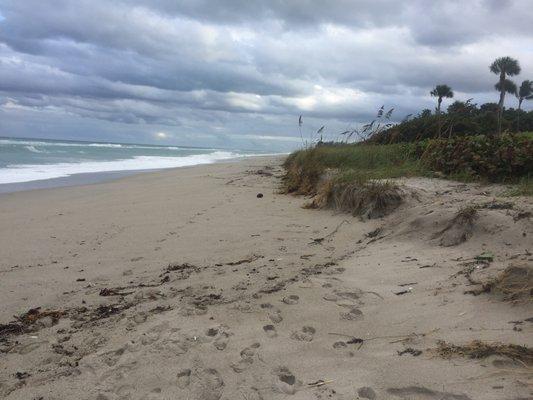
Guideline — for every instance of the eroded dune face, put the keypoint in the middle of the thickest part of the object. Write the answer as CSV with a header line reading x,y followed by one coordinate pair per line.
x,y
151,289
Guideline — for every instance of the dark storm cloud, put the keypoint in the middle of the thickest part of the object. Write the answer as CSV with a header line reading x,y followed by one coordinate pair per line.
x,y
244,70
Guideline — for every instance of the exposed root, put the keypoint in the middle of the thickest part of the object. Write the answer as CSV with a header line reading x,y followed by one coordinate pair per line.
x,y
460,228
373,199
478,349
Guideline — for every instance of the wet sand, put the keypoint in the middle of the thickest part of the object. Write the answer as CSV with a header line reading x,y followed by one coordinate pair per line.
x,y
183,284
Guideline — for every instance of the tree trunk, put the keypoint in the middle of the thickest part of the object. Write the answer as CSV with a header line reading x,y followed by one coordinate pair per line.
x,y
518,118
439,126
501,102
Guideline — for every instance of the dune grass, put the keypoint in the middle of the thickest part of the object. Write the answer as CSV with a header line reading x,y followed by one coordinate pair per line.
x,y
344,176
351,163
524,187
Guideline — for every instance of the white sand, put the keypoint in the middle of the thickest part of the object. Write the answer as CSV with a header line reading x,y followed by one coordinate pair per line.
x,y
281,317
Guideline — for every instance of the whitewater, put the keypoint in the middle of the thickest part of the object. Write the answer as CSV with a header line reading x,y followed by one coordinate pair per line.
x,y
26,160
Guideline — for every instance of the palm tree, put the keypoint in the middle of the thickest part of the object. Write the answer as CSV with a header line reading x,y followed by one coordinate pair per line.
x,y
441,91
524,93
504,66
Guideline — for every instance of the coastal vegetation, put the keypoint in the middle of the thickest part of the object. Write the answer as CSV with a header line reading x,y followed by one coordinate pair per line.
x,y
467,142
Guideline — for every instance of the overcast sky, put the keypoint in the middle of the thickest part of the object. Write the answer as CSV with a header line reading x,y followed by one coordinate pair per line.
x,y
238,73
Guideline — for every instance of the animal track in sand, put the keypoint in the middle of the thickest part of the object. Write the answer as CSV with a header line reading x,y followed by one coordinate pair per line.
x,y
247,358
270,331
422,393
306,334
291,300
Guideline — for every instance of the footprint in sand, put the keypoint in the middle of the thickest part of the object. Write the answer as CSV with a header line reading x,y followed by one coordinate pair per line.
x,y
331,297
306,334
285,381
353,315
221,336
270,331
291,300
366,393
112,357
275,317
422,393
247,358
201,383
184,378
250,393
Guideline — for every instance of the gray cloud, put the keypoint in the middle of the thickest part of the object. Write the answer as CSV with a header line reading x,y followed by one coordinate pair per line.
x,y
240,72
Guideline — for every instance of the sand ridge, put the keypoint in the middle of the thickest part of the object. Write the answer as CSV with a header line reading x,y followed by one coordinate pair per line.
x,y
185,284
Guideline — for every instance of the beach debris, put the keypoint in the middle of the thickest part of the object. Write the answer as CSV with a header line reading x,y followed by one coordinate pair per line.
x,y
104,311
521,215
183,271
478,349
80,280
259,195
333,232
485,256
410,350
408,284
114,292
374,233
35,314
402,292
319,383
498,205
356,340
479,262
30,321
262,172
251,258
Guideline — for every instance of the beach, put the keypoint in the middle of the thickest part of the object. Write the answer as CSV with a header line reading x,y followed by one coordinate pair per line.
x,y
206,283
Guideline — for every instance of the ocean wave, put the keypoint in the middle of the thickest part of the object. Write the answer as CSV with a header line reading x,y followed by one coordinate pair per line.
x,y
33,149
95,144
33,172
110,145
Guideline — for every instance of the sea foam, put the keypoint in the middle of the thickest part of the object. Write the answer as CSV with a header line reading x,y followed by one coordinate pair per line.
x,y
33,172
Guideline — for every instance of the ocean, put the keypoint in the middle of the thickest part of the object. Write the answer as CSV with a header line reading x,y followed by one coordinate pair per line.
x,y
36,163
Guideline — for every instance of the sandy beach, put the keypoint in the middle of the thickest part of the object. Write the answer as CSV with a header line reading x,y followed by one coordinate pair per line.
x,y
185,284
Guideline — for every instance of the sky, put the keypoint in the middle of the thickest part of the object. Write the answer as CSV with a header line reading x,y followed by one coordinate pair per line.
x,y
239,73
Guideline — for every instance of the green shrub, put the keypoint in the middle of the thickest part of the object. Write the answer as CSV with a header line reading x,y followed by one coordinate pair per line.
x,y
496,158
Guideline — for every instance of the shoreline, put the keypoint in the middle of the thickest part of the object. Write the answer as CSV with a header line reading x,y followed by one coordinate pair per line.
x,y
183,283
90,178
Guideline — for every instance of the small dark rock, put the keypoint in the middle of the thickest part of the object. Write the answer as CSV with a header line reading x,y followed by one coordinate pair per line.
x,y
22,375
259,195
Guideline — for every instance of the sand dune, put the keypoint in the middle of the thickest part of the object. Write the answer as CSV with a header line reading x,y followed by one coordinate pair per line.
x,y
185,284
